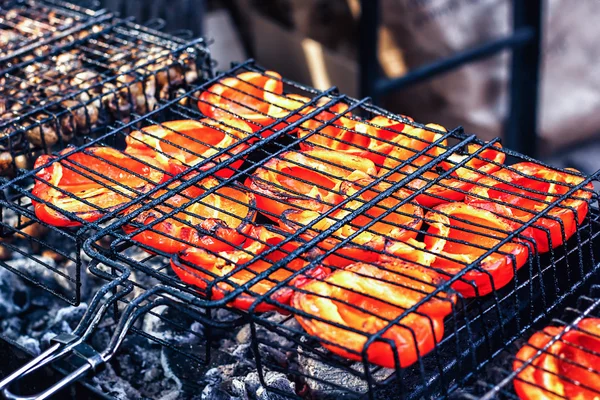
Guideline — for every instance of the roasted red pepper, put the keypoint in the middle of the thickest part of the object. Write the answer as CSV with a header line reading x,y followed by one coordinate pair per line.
x,y
249,95
567,369
187,144
464,233
366,298
199,267
304,180
90,183
400,225
526,189
373,139
217,221
457,184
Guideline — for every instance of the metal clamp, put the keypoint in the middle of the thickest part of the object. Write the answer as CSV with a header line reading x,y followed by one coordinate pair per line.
x,y
72,344
75,344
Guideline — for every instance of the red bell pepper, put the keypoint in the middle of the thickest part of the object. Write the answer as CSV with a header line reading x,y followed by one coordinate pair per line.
x,y
199,267
567,369
90,183
187,144
457,184
373,139
532,187
462,235
218,221
401,225
307,180
365,298
252,96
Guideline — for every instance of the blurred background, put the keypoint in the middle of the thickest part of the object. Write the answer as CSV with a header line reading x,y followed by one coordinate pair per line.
x,y
523,70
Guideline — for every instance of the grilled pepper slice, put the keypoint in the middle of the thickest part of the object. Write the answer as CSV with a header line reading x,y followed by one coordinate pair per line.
x,y
400,225
372,139
217,221
567,369
526,189
234,267
249,95
460,181
89,183
307,180
362,299
459,234
187,144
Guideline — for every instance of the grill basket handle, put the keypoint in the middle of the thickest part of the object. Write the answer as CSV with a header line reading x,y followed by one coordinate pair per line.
x,y
65,344
74,344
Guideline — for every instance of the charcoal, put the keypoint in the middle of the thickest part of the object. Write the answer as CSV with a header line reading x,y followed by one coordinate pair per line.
x,y
29,344
15,295
275,380
111,383
312,367
244,335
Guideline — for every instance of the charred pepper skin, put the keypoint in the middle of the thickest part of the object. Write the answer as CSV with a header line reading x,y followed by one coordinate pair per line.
x,y
347,302
526,189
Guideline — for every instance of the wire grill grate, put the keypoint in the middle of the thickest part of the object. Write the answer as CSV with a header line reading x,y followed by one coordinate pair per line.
x,y
116,69
68,96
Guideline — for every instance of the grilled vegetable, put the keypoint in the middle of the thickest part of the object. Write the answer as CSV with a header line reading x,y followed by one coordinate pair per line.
x,y
217,221
460,234
372,139
459,181
526,189
246,96
402,224
229,269
555,368
87,184
365,298
187,144
304,180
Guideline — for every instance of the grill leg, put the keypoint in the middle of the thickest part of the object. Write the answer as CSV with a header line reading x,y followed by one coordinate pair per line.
x,y
521,128
367,52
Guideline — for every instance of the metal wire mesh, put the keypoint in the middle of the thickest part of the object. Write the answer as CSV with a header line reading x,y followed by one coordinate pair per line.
x,y
28,23
118,69
337,262
555,360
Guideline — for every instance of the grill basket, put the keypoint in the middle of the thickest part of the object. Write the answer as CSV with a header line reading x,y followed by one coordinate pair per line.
x,y
476,327
500,377
29,24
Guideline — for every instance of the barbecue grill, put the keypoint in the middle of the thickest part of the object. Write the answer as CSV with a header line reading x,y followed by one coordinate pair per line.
x,y
476,329
119,85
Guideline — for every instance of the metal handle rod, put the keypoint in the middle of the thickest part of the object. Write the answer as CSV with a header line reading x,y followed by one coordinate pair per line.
x,y
63,383
75,343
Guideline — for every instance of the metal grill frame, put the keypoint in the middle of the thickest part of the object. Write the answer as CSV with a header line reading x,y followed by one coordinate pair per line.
x,y
489,340
124,303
